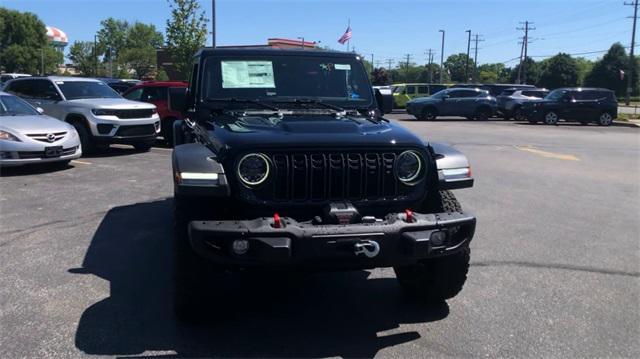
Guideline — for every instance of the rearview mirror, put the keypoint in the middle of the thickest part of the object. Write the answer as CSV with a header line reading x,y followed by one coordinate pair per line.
x,y
177,100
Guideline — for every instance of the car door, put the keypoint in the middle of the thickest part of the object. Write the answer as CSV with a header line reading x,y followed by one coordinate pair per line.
x,y
575,106
46,96
450,102
156,95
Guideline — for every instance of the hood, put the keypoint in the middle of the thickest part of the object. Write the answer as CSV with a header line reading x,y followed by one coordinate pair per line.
x,y
257,133
111,103
33,124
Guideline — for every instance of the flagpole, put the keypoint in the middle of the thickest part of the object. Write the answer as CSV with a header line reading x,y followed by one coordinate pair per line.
x,y
348,27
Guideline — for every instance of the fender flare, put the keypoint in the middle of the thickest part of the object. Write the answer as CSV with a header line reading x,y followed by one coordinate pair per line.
x,y
197,172
454,170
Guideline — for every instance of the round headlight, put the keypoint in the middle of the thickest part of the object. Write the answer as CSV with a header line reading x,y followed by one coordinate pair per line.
x,y
253,169
408,166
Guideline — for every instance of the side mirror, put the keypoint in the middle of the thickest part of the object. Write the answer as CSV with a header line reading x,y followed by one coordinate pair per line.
x,y
40,110
384,98
444,97
177,99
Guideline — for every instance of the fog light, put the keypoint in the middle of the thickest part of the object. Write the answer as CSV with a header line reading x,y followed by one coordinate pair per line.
x,y
438,238
240,246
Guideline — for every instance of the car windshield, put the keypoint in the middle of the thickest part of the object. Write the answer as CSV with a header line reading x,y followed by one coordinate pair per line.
x,y
555,95
75,90
272,78
13,106
439,94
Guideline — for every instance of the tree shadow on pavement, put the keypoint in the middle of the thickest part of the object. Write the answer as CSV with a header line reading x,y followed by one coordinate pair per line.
x,y
329,314
33,169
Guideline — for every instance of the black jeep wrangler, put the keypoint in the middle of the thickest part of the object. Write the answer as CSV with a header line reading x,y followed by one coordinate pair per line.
x,y
283,161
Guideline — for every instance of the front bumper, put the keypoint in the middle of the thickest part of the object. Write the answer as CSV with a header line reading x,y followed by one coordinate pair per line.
x,y
308,245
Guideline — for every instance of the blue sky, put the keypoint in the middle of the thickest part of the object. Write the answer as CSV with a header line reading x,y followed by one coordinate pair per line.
x,y
388,29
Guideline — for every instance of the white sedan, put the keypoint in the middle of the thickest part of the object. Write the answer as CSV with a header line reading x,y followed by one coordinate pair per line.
x,y
28,136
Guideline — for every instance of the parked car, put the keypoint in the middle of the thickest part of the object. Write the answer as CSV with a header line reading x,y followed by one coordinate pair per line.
x,y
27,136
403,93
472,103
584,105
156,93
119,85
510,101
286,163
496,89
4,78
100,115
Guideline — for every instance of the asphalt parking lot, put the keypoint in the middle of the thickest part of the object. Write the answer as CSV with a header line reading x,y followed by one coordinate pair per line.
x,y
85,255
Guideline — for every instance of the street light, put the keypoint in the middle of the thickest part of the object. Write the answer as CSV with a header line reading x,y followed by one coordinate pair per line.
x,y
466,66
301,41
441,57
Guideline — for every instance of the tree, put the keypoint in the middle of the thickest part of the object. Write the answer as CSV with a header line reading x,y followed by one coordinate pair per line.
x,y
560,70
82,55
139,53
186,33
532,70
380,77
606,72
456,65
493,73
584,68
23,44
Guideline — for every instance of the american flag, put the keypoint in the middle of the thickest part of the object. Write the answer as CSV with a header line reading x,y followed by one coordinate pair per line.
x,y
346,37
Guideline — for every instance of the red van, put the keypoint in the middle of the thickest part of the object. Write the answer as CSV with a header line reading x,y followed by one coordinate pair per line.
x,y
156,92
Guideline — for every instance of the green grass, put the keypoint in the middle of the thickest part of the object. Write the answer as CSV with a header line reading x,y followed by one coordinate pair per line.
x,y
628,116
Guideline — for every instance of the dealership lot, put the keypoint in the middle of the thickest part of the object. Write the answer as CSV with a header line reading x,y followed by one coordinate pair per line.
x,y
555,261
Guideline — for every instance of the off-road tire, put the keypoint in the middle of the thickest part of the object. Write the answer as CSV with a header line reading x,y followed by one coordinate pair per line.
x,y
86,140
193,276
437,279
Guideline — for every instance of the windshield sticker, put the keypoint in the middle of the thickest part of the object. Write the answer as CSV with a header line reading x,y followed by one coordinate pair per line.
x,y
346,67
60,82
247,74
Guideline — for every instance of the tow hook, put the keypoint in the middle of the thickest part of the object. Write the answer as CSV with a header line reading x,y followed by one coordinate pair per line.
x,y
367,247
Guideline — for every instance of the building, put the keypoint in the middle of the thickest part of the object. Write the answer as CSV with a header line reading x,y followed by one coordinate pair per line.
x,y
165,63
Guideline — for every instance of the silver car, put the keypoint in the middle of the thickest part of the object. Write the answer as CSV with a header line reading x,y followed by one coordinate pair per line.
x,y
27,136
100,115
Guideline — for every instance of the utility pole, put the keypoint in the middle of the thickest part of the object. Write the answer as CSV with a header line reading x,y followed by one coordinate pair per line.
x,y
527,27
372,66
442,57
520,65
389,66
301,41
213,24
42,61
475,59
429,62
632,62
406,71
466,66
95,51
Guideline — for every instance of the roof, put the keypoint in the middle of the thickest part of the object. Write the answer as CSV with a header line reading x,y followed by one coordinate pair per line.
x,y
65,78
161,83
270,51
584,88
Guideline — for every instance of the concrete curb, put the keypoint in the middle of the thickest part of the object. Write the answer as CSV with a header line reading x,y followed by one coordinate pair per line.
x,y
632,123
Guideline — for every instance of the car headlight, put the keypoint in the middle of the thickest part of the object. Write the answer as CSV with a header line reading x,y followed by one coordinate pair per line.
x,y
102,112
7,136
253,169
408,166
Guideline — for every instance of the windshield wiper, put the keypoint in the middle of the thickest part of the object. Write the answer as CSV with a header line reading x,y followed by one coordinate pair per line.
x,y
314,102
243,100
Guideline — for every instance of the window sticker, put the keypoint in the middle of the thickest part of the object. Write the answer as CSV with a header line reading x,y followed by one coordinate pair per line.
x,y
247,74
346,67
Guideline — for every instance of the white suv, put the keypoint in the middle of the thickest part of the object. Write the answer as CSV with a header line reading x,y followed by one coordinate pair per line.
x,y
99,114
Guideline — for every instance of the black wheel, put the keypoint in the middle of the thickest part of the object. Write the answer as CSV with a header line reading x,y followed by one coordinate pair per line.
x,y
142,146
193,276
167,131
437,279
482,114
429,114
605,119
532,121
551,118
86,141
506,115
518,114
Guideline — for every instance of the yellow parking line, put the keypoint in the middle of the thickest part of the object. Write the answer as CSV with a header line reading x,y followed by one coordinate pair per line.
x,y
542,153
81,162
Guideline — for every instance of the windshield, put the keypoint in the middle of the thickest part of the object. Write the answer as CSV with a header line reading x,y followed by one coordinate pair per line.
x,y
555,95
13,106
398,89
74,90
439,94
339,81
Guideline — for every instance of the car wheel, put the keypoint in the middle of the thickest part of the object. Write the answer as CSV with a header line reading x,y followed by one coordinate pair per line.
x,y
429,113
437,279
86,141
551,118
518,114
584,123
482,114
605,119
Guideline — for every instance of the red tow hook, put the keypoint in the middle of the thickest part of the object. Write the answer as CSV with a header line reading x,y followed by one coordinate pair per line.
x,y
408,216
277,222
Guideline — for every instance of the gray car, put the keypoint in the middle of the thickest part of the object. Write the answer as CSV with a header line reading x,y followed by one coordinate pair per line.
x,y
472,103
100,115
510,101
27,136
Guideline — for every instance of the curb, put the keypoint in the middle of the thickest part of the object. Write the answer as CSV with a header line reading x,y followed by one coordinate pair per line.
x,y
634,123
